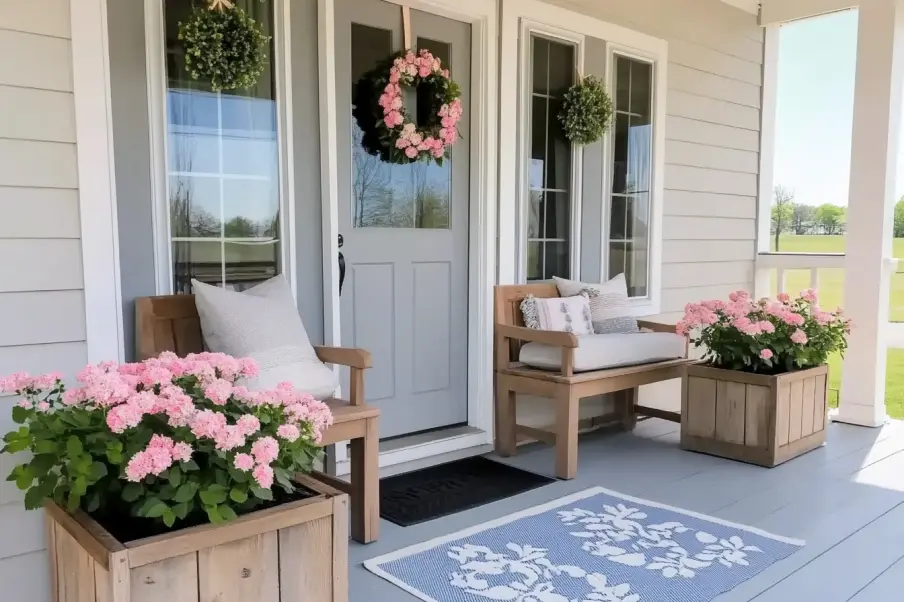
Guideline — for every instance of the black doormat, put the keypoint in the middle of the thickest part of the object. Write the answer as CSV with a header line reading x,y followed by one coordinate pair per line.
x,y
416,497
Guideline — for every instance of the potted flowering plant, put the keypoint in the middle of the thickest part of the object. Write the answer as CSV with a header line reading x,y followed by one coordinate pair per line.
x,y
760,393
140,456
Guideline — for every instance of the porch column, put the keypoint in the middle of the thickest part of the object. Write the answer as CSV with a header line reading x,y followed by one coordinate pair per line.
x,y
874,151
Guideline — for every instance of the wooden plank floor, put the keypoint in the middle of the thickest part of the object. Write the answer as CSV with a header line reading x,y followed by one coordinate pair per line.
x,y
845,499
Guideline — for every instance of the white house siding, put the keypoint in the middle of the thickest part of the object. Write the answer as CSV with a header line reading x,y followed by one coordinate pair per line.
x,y
712,154
42,313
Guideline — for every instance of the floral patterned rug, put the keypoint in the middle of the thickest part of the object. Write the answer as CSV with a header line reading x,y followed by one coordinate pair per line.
x,y
593,546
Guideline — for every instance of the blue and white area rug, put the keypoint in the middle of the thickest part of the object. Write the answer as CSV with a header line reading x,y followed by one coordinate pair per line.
x,y
593,546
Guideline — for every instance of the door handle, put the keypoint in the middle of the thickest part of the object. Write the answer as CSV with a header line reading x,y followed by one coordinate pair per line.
x,y
341,265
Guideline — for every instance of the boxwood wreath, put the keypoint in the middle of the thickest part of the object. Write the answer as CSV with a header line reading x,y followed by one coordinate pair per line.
x,y
223,46
389,132
586,112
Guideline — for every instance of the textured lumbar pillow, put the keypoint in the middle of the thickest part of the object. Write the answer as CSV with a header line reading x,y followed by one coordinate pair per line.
x,y
609,304
262,323
562,314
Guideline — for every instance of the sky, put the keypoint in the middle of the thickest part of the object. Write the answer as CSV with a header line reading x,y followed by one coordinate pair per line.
x,y
815,109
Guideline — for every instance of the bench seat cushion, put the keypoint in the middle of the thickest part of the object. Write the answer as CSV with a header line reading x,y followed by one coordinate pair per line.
x,y
603,351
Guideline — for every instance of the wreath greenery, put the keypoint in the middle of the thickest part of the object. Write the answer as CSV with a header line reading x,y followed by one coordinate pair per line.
x,y
587,111
390,132
224,46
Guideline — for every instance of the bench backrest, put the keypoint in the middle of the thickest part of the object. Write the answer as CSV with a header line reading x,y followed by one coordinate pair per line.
x,y
508,312
168,323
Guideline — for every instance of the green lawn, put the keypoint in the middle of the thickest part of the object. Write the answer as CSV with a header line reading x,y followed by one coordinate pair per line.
x,y
831,293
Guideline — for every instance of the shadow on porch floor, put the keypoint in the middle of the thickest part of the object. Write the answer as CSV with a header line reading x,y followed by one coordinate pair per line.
x,y
845,499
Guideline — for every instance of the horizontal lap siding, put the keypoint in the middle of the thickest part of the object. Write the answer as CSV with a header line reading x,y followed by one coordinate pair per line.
x,y
42,306
712,139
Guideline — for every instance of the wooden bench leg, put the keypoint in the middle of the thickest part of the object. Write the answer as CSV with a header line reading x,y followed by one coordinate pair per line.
x,y
567,434
365,497
505,421
628,399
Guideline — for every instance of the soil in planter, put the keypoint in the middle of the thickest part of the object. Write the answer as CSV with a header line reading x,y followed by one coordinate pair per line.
x,y
125,528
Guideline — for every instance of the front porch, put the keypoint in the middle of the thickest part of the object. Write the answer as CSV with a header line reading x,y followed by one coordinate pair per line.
x,y
845,499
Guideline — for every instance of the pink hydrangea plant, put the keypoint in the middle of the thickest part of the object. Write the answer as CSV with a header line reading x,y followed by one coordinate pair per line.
x,y
163,439
765,335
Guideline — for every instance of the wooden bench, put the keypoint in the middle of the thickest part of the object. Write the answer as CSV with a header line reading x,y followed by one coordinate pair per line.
x,y
171,323
564,388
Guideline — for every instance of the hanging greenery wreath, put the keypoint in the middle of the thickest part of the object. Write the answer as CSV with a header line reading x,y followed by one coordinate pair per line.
x,y
389,130
587,111
224,46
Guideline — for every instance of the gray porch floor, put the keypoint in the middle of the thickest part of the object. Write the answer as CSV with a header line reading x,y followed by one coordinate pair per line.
x,y
845,499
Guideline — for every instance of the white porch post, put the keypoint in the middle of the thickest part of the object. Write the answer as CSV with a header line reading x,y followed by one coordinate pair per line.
x,y
874,150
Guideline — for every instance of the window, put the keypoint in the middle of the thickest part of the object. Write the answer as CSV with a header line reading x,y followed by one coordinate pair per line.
x,y
223,173
549,170
387,195
632,159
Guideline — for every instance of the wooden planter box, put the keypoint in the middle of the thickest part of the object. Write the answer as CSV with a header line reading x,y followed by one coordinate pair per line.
x,y
754,418
297,552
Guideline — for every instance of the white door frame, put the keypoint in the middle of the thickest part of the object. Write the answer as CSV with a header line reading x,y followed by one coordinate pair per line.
x,y
482,15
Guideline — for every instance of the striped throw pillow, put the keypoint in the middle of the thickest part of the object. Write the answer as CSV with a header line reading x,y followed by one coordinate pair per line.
x,y
610,308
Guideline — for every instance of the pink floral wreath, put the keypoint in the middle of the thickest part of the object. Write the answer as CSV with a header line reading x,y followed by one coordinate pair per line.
x,y
406,141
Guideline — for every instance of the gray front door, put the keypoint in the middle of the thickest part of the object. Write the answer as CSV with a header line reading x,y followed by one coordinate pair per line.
x,y
405,231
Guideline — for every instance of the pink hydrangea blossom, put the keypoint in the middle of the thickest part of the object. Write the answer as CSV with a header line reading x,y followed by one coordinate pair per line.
x,y
783,297
43,406
248,425
15,382
47,381
799,337
766,326
289,432
244,462
218,391
124,417
207,423
766,354
248,367
182,451
265,450
263,474
809,295
24,404
228,438
411,152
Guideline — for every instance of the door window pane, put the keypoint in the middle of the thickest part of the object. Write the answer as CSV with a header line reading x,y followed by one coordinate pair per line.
x,y
629,208
387,195
223,167
550,163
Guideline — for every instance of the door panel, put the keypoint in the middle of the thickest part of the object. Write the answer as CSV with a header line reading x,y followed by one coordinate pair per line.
x,y
405,230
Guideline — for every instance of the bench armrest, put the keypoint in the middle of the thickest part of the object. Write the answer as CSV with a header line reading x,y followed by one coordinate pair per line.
x,y
656,326
547,337
345,356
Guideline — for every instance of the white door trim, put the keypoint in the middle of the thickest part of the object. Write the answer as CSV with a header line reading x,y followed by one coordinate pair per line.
x,y
96,181
155,60
482,15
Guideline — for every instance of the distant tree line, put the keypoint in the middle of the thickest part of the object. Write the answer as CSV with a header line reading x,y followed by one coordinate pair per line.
x,y
790,217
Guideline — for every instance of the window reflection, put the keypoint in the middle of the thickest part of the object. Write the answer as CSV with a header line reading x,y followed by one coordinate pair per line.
x,y
223,165
550,163
629,212
388,195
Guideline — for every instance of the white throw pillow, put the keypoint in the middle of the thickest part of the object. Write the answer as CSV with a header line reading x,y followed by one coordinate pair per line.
x,y
263,323
562,314
609,304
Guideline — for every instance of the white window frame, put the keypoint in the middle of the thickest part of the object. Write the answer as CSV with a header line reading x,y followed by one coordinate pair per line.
x,y
155,53
525,132
612,51
511,236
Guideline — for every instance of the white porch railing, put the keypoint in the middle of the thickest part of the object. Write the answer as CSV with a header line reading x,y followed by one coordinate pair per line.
x,y
772,271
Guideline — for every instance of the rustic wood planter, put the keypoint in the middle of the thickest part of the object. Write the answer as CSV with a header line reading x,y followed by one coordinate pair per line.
x,y
754,418
297,552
